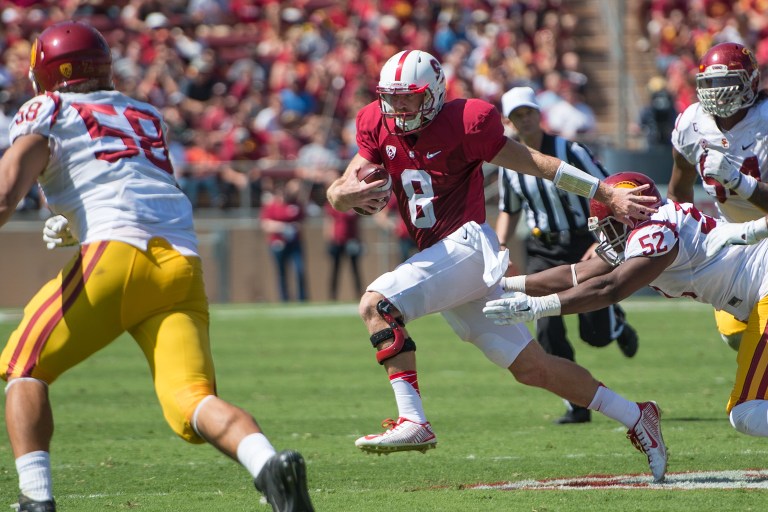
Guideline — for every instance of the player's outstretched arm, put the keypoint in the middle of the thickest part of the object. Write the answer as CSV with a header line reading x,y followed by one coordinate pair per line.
x,y
625,203
592,294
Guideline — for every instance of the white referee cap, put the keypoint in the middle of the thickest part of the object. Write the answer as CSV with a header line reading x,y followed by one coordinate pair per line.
x,y
518,97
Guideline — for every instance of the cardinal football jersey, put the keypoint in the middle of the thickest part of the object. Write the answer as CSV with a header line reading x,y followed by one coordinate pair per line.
x,y
746,144
437,179
109,171
734,279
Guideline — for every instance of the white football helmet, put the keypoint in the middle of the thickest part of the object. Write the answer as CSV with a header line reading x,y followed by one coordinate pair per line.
x,y
411,72
728,79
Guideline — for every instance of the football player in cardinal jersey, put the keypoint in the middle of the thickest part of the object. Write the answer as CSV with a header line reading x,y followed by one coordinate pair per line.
x,y
434,151
102,161
723,138
679,252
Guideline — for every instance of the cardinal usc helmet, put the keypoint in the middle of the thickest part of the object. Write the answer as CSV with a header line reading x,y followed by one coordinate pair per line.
x,y
610,233
411,72
728,79
70,53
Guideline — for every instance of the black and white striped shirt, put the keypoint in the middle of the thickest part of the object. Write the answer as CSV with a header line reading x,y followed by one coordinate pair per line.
x,y
546,207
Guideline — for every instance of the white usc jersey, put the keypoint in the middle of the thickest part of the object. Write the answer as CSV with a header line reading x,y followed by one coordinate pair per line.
x,y
109,172
733,280
746,144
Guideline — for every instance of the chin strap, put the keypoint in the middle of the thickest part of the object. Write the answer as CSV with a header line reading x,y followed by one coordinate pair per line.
x,y
395,330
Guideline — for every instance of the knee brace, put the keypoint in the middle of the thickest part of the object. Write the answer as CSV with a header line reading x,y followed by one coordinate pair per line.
x,y
395,330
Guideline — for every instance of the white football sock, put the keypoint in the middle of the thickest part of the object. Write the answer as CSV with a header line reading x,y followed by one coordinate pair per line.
x,y
751,418
409,405
34,469
615,406
253,452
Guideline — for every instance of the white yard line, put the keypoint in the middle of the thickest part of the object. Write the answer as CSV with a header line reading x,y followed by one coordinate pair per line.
x,y
730,479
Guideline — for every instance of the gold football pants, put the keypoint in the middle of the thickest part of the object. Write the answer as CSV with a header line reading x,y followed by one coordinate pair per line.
x,y
157,295
752,371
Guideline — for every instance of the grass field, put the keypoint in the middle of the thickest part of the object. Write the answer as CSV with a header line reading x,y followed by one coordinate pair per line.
x,y
308,374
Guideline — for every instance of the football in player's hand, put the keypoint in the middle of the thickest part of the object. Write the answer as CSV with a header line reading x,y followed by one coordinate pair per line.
x,y
370,173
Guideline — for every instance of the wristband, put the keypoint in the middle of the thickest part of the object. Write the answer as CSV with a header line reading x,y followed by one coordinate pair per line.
x,y
550,305
745,186
573,276
574,180
757,230
514,284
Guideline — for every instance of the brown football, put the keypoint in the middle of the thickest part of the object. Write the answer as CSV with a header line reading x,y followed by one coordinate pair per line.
x,y
369,174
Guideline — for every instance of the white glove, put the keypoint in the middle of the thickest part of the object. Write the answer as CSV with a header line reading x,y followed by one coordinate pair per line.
x,y
56,233
719,167
516,307
740,233
513,284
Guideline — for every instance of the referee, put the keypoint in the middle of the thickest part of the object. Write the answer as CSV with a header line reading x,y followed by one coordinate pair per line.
x,y
558,232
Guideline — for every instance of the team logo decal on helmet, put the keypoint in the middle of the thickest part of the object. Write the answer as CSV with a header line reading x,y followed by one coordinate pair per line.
x,y
66,70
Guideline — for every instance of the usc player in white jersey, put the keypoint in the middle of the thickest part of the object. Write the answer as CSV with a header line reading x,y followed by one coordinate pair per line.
x,y
101,159
723,138
434,151
679,252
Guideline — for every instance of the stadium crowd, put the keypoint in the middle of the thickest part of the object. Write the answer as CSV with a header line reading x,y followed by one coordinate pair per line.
x,y
252,89
257,90
679,32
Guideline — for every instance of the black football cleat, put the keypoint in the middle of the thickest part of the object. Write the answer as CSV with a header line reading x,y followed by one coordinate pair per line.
x,y
283,482
627,341
575,415
29,505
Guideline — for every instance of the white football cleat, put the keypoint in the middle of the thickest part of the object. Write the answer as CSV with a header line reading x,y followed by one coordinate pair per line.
x,y
401,435
646,437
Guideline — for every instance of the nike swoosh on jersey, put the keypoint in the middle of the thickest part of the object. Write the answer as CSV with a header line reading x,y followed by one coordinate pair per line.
x,y
433,155
743,147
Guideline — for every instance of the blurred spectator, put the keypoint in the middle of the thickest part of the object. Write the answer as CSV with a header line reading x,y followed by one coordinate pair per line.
x,y
271,66
571,117
201,172
342,235
316,160
199,79
6,116
281,219
240,153
657,119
